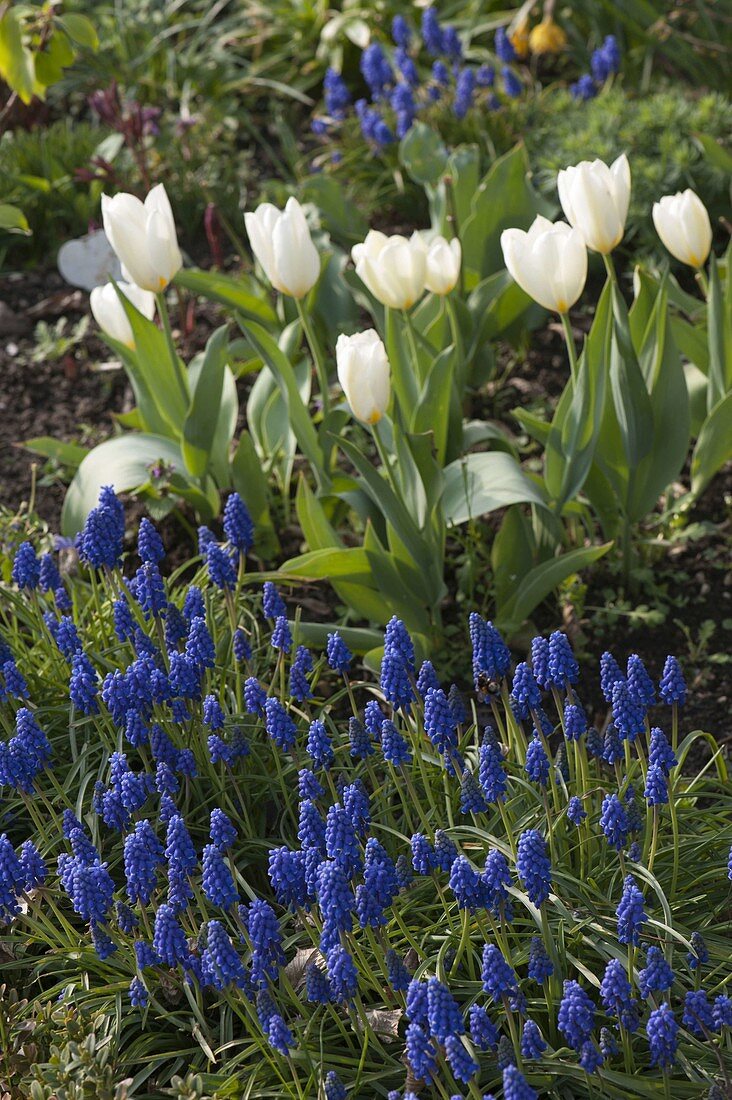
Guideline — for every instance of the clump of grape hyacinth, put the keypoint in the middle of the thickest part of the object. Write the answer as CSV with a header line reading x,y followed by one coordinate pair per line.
x,y
359,872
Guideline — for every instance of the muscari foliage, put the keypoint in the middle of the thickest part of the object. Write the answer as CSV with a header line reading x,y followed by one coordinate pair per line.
x,y
381,889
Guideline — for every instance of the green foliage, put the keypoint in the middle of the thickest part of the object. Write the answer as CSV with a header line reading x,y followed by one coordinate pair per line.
x,y
39,169
658,132
36,45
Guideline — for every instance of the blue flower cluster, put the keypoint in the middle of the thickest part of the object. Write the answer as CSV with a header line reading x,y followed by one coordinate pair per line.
x,y
604,63
410,76
157,864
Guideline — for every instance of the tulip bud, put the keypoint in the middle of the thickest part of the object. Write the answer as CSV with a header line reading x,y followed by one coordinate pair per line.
x,y
549,262
595,200
282,244
443,265
363,372
392,268
109,312
143,236
682,223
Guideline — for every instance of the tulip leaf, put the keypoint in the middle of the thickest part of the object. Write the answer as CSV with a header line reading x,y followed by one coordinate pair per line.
x,y
266,347
152,418
423,154
358,639
512,554
503,199
630,396
240,294
714,445
669,399
362,598
383,496
431,411
199,427
575,429
402,358
719,333
481,483
349,563
156,370
536,585
124,463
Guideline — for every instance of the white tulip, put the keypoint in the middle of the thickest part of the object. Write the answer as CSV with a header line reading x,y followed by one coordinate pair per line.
x,y
363,372
549,262
109,313
595,200
392,268
682,223
443,265
281,241
143,236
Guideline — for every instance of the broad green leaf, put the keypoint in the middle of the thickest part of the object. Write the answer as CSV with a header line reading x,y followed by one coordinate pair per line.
x,y
481,483
575,429
147,401
240,294
692,342
496,304
358,639
431,411
302,425
543,579
13,220
503,199
630,396
362,598
697,385
331,302
51,61
714,445
348,563
199,427
720,345
124,463
16,60
423,154
386,500
162,382
669,400
512,554
404,365
219,465
68,454
340,215
80,29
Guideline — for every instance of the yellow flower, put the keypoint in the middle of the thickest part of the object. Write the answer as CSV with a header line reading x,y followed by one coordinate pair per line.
x,y
519,39
547,37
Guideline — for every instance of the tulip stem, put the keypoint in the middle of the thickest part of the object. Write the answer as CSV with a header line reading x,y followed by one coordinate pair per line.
x,y
610,268
165,319
317,354
571,349
701,278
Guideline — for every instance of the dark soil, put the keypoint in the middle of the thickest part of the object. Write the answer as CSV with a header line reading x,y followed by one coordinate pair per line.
x,y
68,398
71,400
